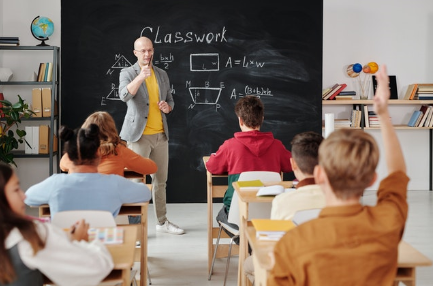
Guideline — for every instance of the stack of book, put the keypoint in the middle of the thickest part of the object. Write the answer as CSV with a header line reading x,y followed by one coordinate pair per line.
x,y
45,72
330,93
345,95
342,123
373,120
9,41
425,91
271,229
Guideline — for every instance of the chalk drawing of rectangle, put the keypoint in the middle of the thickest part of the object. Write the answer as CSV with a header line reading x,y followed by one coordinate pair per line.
x,y
205,95
204,62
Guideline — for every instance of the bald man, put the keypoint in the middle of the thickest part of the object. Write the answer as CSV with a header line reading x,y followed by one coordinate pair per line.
x,y
146,90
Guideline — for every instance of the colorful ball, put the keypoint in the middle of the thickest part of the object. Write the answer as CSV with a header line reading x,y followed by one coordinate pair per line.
x,y
374,67
366,69
350,71
357,67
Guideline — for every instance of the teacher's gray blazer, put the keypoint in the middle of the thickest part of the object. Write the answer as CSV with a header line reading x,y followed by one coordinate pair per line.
x,y
138,105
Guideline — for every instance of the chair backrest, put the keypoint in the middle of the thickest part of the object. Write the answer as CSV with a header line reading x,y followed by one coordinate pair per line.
x,y
305,215
255,210
264,176
95,218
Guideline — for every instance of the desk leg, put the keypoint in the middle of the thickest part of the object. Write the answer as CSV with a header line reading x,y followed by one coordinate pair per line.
x,y
243,242
126,276
143,242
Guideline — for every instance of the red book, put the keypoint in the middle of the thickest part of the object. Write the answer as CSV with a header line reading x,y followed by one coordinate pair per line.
x,y
332,94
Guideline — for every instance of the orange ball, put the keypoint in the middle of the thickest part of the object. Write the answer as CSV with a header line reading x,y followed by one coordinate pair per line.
x,y
366,69
373,67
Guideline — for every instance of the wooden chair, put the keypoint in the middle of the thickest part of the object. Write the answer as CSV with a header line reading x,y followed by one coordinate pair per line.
x,y
215,191
95,218
126,209
259,211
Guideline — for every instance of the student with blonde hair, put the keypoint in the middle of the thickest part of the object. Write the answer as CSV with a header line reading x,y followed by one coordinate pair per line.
x,y
115,156
349,243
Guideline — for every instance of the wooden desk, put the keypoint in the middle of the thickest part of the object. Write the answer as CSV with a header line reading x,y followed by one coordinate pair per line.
x,y
408,259
245,198
123,258
215,191
126,209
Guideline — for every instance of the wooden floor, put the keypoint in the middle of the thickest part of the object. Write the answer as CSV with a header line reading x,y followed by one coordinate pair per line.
x,y
182,260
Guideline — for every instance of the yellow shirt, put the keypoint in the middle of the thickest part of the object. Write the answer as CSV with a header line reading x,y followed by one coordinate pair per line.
x,y
154,123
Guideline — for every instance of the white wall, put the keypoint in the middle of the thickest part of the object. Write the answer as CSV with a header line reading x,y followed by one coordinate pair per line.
x,y
393,32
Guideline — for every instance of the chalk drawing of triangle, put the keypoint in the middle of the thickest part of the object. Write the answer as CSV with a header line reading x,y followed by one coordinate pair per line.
x,y
121,63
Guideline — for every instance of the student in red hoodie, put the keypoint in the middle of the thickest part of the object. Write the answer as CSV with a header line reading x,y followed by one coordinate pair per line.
x,y
249,150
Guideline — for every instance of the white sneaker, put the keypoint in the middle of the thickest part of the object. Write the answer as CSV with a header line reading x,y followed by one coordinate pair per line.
x,y
169,227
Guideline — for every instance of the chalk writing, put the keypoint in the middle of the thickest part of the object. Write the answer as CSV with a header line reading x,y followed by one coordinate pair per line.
x,y
184,37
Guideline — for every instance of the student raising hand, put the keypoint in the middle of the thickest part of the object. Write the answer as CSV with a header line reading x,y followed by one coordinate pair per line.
x,y
382,92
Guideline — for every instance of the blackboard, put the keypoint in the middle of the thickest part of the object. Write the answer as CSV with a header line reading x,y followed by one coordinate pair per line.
x,y
214,53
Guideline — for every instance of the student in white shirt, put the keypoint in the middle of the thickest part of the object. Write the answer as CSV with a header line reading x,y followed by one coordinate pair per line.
x,y
30,248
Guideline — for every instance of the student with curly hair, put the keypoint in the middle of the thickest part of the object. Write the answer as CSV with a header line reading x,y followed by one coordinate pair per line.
x,y
115,156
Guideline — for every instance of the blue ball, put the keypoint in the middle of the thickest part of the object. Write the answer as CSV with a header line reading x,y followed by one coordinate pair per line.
x,y
357,67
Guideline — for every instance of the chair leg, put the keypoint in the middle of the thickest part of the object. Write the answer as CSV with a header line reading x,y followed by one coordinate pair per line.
x,y
228,258
215,252
148,276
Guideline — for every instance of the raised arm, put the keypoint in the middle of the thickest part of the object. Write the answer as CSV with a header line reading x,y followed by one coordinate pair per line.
x,y
393,153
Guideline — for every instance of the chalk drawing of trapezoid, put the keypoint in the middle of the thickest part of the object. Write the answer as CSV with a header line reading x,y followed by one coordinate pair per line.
x,y
121,62
114,94
204,62
205,95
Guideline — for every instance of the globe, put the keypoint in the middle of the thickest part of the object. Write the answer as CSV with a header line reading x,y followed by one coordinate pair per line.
x,y
42,28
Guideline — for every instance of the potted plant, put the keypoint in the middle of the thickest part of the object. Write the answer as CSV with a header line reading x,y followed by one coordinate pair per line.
x,y
11,114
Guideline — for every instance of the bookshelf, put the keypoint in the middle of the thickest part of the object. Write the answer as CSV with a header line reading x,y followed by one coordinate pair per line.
x,y
54,84
399,103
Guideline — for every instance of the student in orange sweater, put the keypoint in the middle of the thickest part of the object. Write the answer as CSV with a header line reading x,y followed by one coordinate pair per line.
x,y
350,244
115,156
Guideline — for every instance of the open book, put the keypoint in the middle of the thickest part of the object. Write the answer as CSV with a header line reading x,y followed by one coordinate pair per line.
x,y
270,190
107,235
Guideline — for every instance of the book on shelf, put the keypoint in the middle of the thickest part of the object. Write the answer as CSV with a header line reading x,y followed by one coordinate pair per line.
x,y
41,72
347,92
251,184
343,97
325,91
336,91
392,86
50,72
341,123
414,118
47,66
107,235
366,118
424,109
414,91
271,229
428,118
9,41
270,191
325,94
409,91
425,88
